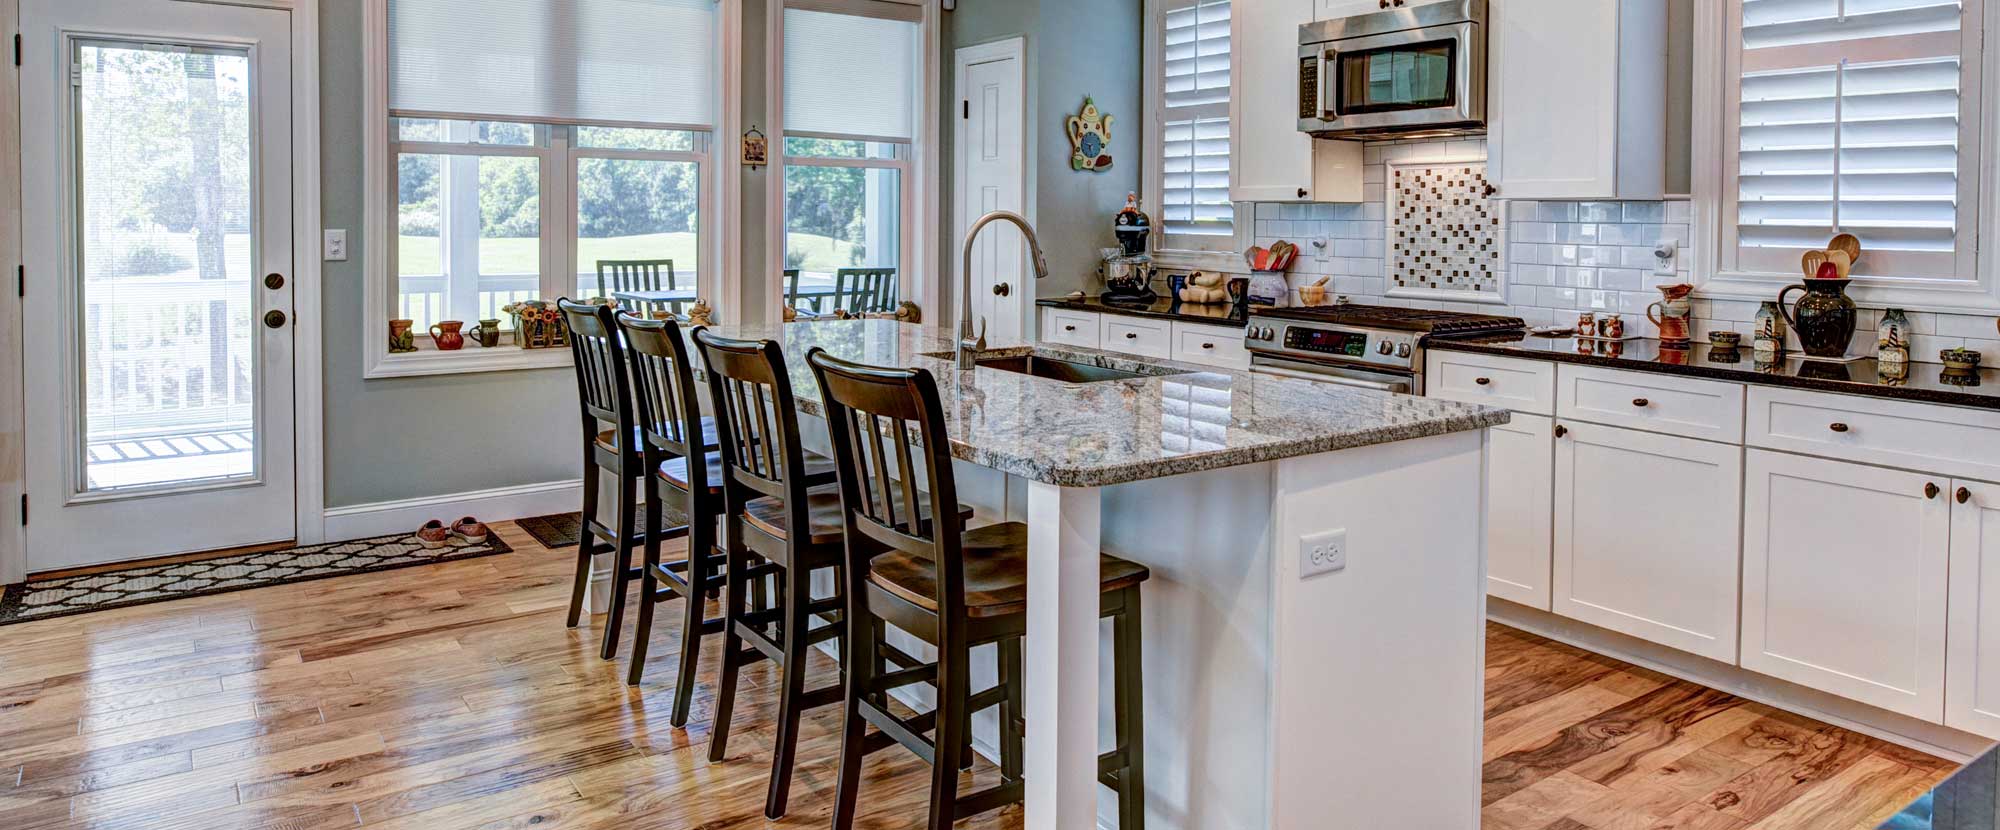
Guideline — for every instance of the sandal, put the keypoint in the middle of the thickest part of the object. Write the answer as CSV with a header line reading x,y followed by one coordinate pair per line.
x,y
471,530
433,534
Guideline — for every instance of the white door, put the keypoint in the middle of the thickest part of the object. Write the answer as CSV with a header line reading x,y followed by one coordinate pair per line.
x,y
1646,536
157,135
1844,579
1972,663
992,166
1520,492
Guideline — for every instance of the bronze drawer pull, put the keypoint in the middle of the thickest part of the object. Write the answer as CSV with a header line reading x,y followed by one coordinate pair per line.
x,y
1930,489
1482,381
1208,345
1131,335
1837,427
1641,402
1963,495
1069,328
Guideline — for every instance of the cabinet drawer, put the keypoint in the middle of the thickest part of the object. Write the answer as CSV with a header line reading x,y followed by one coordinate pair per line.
x,y
1070,328
1943,439
1210,346
1135,335
1705,409
1521,385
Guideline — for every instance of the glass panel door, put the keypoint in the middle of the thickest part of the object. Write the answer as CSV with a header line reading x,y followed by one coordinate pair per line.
x,y
166,342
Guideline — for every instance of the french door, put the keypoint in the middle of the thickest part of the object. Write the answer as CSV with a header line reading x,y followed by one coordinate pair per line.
x,y
156,161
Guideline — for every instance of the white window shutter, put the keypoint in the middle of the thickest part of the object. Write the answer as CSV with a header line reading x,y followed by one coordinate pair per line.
x,y
1194,133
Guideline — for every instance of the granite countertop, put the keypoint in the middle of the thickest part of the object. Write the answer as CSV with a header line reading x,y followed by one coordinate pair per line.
x,y
1110,432
1968,800
1218,314
1925,382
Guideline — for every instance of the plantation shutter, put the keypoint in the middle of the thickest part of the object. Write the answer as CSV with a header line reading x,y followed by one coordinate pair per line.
x,y
1852,121
851,75
633,62
1194,129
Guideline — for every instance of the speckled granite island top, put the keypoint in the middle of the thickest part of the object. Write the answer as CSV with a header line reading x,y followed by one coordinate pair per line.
x,y
1111,432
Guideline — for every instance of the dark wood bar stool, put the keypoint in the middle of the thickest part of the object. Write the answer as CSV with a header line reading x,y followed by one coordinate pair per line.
x,y
953,588
604,391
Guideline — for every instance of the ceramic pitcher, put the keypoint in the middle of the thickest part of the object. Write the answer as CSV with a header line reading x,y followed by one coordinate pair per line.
x,y
447,336
1824,317
1674,311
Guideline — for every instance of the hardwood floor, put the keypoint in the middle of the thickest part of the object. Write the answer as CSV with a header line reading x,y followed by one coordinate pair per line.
x,y
451,696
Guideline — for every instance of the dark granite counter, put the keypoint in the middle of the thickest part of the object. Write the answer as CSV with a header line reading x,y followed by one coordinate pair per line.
x,y
1925,382
1968,800
1221,314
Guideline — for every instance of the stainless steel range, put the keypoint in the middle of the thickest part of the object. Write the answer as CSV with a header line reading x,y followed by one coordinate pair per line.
x,y
1375,347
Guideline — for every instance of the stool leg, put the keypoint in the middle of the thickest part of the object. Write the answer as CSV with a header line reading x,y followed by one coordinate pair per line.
x,y
649,584
859,659
1131,714
795,594
732,642
701,540
952,689
586,543
1011,748
621,560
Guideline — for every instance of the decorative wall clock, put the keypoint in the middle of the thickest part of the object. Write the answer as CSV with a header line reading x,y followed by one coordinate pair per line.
x,y
1089,138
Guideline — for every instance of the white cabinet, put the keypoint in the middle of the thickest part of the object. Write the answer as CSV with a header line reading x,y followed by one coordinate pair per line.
x,y
1330,9
1070,328
1269,159
1577,99
1520,489
1220,346
1696,408
1135,335
1972,664
1511,383
1844,579
1645,536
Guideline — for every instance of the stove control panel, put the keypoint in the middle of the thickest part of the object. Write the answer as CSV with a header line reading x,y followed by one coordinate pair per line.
x,y
1336,344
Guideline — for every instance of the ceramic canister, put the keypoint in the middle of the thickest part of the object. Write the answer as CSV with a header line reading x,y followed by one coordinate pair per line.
x,y
1769,335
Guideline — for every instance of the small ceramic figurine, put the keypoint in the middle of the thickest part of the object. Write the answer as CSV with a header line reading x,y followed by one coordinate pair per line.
x,y
401,338
1611,327
700,314
1892,337
1586,324
1769,337
447,336
1203,287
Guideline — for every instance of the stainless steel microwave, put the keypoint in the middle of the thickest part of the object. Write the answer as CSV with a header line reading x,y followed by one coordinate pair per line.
x,y
1407,71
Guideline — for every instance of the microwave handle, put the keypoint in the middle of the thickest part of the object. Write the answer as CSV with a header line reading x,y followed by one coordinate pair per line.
x,y
1329,58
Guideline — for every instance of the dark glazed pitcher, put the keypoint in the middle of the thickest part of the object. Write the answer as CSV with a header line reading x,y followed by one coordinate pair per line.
x,y
1824,318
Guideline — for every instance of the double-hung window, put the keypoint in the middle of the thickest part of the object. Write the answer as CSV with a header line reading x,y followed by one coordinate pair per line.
x,y
1851,116
530,149
851,87
1188,148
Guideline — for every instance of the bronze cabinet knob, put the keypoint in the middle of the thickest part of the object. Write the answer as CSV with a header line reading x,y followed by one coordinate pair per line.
x,y
1208,345
1837,427
1069,328
274,319
1482,381
1930,489
1561,430
1641,402
1963,495
1131,335
1304,192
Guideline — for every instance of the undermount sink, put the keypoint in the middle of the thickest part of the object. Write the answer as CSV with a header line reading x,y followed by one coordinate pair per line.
x,y
1067,371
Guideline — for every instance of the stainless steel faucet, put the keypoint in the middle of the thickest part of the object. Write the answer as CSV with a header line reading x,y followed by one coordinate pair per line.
x,y
970,346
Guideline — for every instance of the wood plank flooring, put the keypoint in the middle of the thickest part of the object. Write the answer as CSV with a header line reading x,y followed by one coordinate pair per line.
x,y
451,696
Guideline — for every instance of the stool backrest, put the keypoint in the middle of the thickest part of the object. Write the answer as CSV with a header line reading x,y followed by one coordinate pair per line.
x,y
601,382
872,413
663,388
756,423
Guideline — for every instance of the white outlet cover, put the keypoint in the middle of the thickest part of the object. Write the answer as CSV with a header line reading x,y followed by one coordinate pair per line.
x,y
1664,255
336,244
1322,553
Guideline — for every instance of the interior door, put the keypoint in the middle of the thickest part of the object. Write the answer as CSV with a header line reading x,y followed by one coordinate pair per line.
x,y
158,346
992,169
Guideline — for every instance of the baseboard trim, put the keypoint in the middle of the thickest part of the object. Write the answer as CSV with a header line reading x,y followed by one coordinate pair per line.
x,y
1941,741
359,521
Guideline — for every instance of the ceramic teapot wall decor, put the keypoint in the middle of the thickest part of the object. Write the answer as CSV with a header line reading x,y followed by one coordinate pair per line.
x,y
1089,138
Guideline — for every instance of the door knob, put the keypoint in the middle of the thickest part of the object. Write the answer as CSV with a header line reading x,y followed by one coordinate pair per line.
x,y
274,281
1002,290
1963,495
1930,489
274,319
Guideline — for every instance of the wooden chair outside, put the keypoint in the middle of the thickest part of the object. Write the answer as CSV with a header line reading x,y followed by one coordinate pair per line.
x,y
861,291
638,275
797,302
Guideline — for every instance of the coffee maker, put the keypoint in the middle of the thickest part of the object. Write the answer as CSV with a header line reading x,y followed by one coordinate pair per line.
x,y
1128,269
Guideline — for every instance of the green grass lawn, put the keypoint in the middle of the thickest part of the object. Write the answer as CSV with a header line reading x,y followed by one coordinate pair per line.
x,y
421,255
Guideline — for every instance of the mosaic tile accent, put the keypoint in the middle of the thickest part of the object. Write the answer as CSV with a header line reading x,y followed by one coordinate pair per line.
x,y
43,599
1445,236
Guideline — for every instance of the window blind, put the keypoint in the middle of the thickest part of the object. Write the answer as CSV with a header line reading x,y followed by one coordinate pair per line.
x,y
1194,133
635,62
850,75
1850,122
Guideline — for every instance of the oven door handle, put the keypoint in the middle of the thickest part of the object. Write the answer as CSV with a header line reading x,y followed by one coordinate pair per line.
x,y
1338,380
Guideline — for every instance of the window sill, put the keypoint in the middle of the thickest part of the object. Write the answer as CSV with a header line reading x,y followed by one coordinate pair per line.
x,y
1220,261
469,360
1955,297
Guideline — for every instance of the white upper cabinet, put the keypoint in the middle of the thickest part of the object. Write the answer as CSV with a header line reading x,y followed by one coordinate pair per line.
x,y
1577,98
1271,161
1329,9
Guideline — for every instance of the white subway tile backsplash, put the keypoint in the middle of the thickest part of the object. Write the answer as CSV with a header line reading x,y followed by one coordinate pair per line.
x,y
1643,212
1964,325
1599,212
1558,211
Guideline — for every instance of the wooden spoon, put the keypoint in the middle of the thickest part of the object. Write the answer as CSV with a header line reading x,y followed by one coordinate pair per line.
x,y
1812,261
1840,261
1848,243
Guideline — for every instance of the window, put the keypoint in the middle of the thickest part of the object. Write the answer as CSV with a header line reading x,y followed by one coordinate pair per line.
x,y
850,109
1191,137
523,152
1851,116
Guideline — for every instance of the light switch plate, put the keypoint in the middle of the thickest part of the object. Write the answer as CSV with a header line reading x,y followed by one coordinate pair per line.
x,y
1322,553
336,244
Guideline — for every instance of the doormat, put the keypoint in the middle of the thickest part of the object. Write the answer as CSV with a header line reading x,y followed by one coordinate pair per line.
x,y
61,597
561,530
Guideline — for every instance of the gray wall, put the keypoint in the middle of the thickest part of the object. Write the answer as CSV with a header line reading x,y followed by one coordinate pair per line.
x,y
409,437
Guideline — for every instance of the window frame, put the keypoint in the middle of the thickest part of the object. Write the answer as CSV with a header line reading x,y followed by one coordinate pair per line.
x,y
1152,178
906,193
554,147
1719,271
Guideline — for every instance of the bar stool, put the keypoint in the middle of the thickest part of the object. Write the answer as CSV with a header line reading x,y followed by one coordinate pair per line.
x,y
604,391
955,589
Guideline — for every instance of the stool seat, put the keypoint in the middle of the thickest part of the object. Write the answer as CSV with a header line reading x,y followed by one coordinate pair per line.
x,y
996,572
823,518
608,439
674,471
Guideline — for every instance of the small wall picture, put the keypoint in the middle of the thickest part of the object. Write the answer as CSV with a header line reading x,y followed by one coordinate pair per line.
x,y
756,150
1089,138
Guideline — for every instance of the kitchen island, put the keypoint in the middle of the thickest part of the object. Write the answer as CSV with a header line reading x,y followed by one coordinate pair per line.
x,y
1351,698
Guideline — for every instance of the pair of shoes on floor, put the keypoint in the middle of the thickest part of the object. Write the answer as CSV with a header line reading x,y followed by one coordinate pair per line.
x,y
435,535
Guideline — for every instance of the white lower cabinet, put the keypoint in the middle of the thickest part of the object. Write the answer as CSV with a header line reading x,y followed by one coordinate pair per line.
x,y
1645,536
1844,571
1520,493
1972,673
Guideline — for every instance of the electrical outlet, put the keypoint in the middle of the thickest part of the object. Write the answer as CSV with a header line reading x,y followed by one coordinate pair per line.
x,y
336,244
1663,257
1322,553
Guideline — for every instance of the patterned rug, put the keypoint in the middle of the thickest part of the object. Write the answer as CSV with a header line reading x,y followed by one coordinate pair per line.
x,y
43,599
561,530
